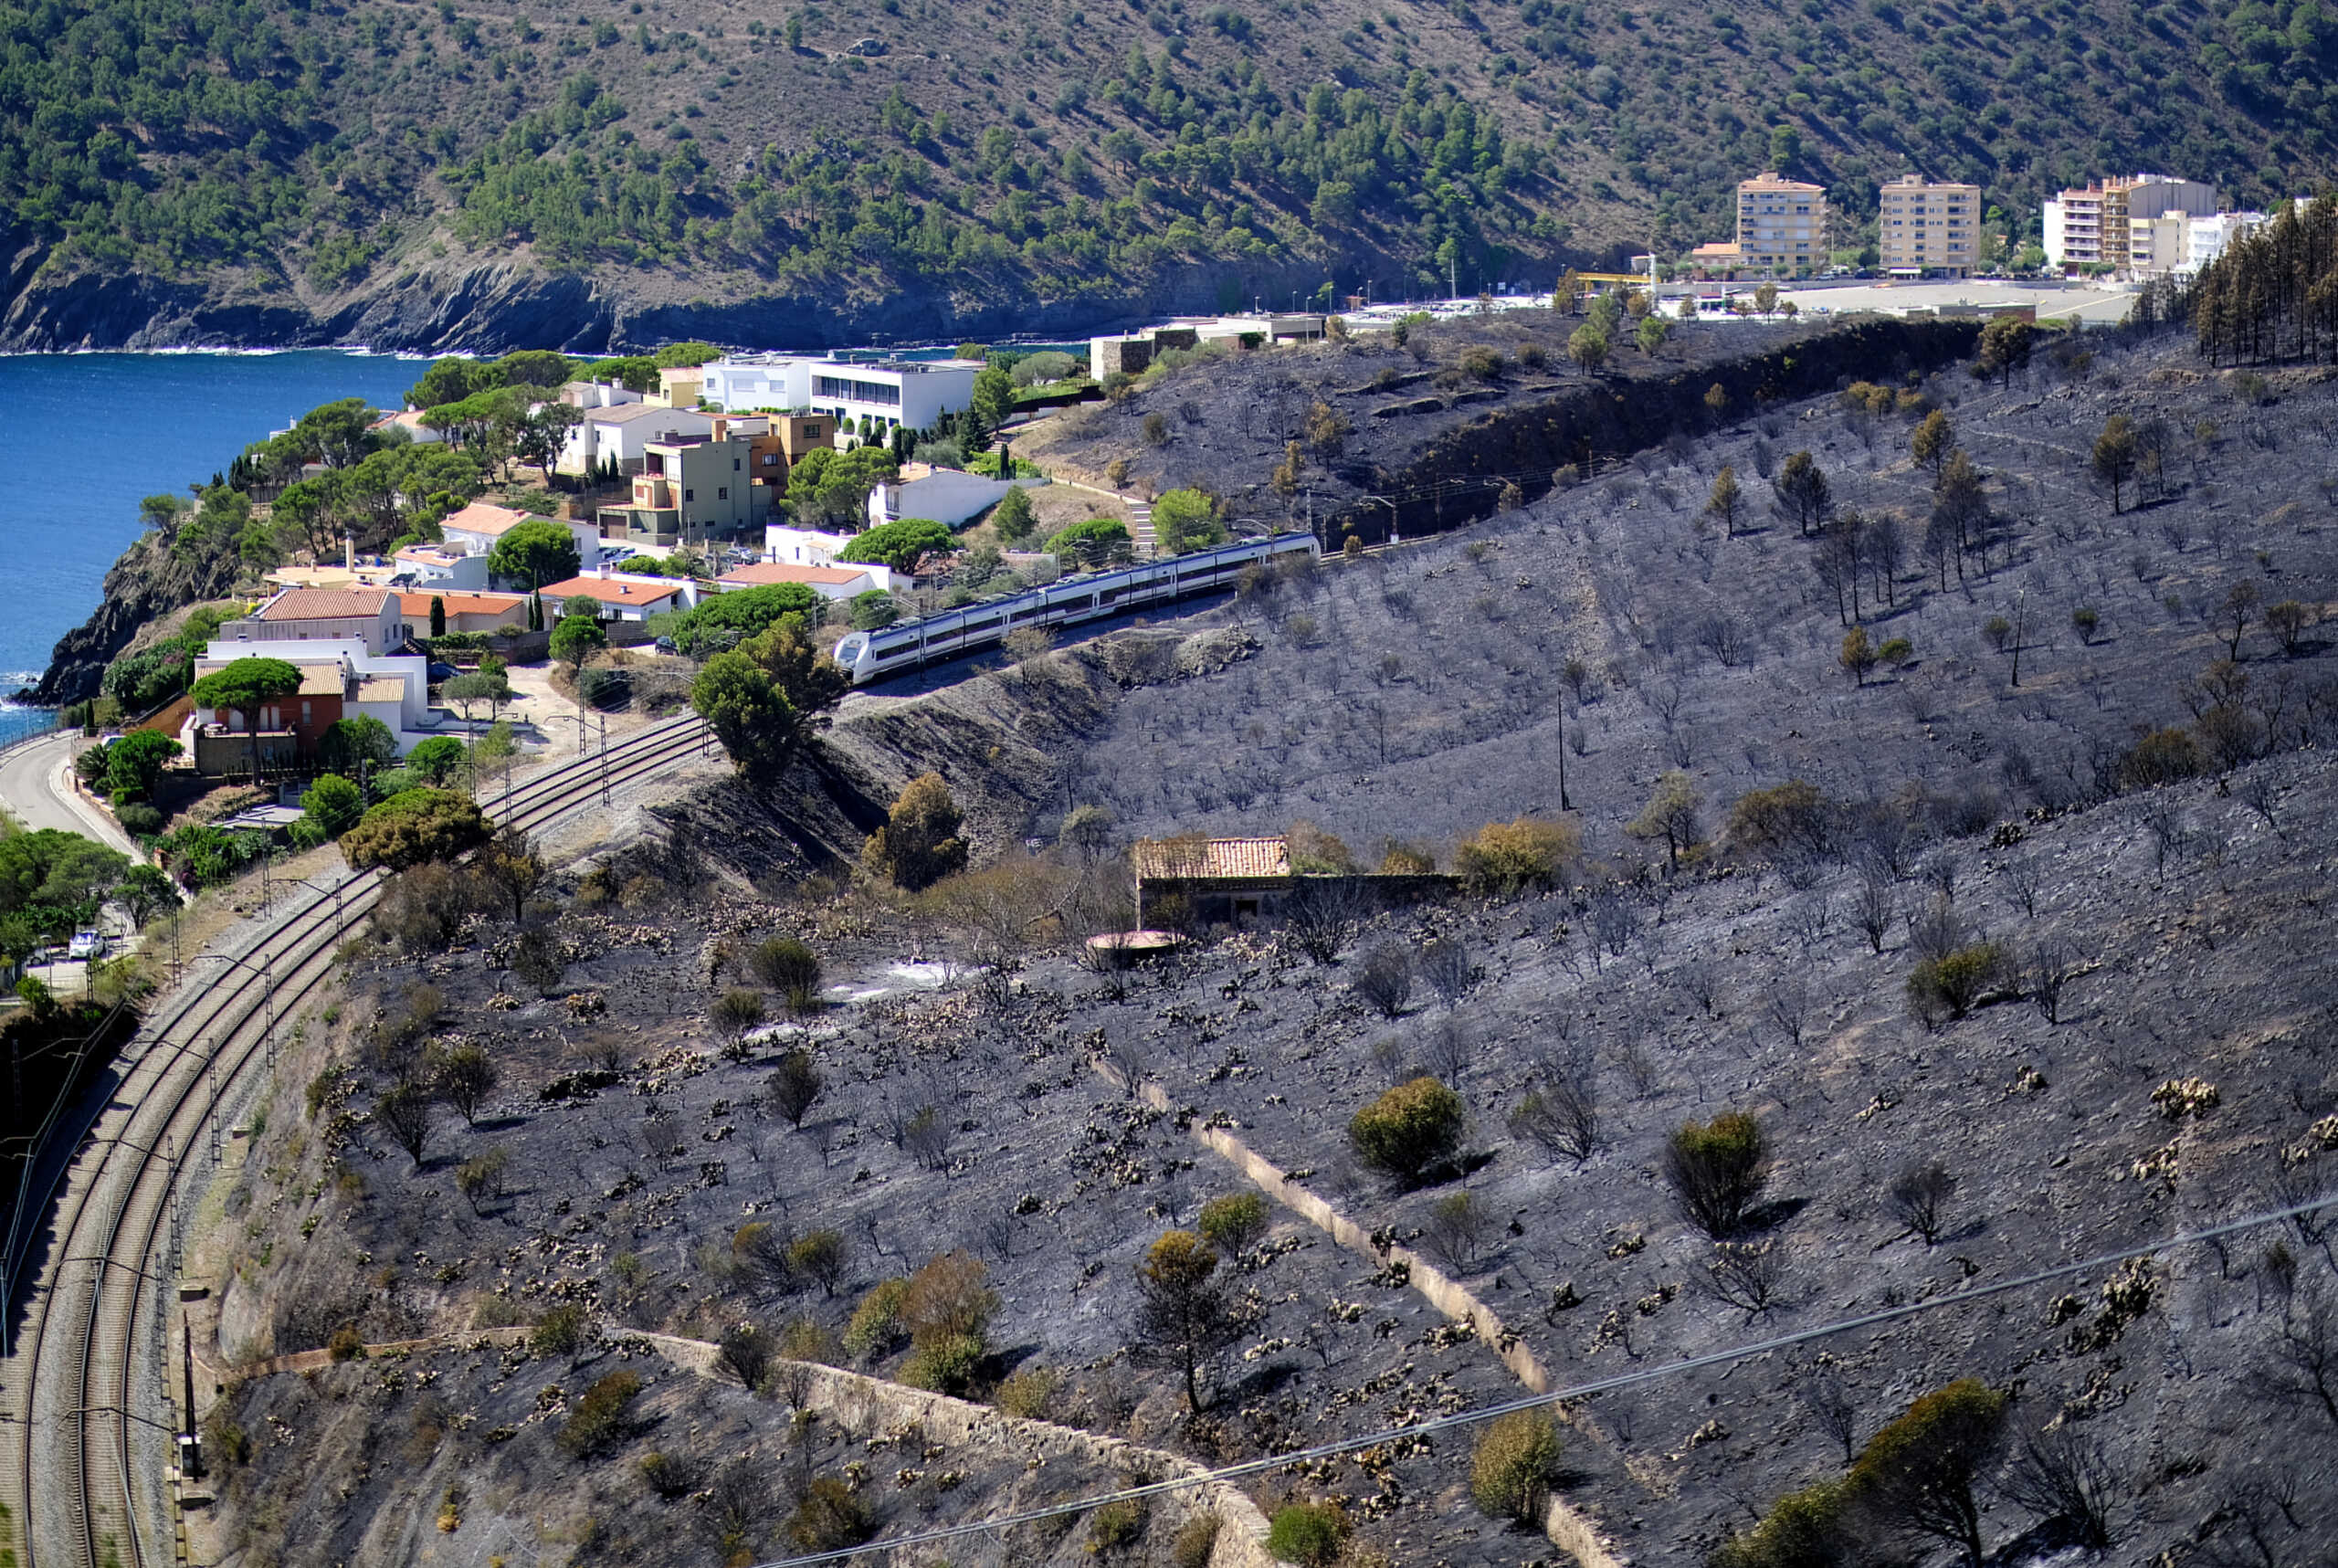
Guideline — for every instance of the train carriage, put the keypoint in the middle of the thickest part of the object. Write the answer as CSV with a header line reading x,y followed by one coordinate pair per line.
x,y
907,644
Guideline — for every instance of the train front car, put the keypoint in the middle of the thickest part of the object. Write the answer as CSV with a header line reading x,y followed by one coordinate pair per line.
x,y
853,653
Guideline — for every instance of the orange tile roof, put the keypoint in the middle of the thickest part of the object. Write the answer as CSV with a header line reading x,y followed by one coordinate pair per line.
x,y
1185,858
323,603
322,679
609,592
418,605
765,573
480,518
381,689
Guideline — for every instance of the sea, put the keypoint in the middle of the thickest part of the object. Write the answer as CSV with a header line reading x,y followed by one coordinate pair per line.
x,y
88,435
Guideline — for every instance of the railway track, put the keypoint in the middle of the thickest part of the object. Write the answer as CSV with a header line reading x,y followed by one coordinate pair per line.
x,y
85,1394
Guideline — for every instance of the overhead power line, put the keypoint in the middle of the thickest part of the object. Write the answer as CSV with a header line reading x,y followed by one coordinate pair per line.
x,y
1538,1401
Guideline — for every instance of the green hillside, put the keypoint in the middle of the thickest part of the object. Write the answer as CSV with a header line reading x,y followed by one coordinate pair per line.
x,y
1073,150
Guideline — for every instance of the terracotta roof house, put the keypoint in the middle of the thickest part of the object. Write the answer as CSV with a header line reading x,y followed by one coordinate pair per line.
x,y
369,616
465,611
622,598
1210,881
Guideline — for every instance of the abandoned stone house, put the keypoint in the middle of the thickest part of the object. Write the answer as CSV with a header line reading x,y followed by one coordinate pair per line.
x,y
1194,881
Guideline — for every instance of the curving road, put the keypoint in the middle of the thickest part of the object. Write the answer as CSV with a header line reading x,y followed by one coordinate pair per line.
x,y
91,1422
37,788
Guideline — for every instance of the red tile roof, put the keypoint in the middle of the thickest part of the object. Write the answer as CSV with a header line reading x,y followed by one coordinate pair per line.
x,y
1171,858
417,605
609,592
324,604
480,518
766,573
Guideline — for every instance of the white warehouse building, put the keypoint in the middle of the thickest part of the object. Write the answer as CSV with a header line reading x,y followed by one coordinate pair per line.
x,y
915,393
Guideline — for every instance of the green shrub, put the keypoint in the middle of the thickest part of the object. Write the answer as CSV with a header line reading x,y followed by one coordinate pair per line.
x,y
224,1442
1412,1127
1952,985
561,1332
829,1517
1312,1534
1195,1540
1234,1223
1802,1529
1510,1476
346,1343
1114,1526
946,1364
1027,1394
790,968
413,827
1505,858
1717,1169
603,1417
876,1324
139,820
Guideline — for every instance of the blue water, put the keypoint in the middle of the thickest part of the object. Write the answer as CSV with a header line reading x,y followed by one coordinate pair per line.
x,y
87,437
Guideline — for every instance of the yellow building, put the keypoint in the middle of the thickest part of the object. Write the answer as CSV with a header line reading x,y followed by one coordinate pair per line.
x,y
1925,226
1781,224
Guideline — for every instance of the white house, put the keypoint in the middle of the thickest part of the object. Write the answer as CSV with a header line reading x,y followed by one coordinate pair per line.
x,y
371,618
623,431
802,546
340,679
914,392
829,581
598,394
475,530
949,496
2207,237
410,422
624,596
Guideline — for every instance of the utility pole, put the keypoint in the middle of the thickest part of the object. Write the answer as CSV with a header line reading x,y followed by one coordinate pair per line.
x,y
605,759
1564,803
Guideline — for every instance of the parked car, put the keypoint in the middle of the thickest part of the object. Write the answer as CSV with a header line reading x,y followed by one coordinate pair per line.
x,y
443,671
664,645
85,945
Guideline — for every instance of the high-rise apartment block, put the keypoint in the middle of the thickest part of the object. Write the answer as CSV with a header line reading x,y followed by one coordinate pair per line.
x,y
1781,224
2095,227
1929,227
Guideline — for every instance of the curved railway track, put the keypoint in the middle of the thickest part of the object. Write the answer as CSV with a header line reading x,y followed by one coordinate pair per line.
x,y
82,1387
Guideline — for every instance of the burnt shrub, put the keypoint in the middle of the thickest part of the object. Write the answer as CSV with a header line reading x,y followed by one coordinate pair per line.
x,y
746,1350
795,1086
1384,979
1717,1169
1409,1128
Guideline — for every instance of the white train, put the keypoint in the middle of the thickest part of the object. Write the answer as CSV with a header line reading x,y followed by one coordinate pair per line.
x,y
906,645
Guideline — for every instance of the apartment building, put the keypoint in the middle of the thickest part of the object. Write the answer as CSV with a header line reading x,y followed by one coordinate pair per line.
x,y
887,393
1781,224
2207,238
694,490
1927,226
2094,227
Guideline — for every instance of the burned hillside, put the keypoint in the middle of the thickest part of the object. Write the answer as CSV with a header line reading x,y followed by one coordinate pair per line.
x,y
1954,852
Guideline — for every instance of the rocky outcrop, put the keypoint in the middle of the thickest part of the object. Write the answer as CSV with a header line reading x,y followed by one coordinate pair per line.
x,y
493,304
146,583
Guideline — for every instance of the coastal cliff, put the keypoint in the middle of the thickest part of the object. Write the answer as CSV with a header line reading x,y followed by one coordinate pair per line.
x,y
495,304
148,581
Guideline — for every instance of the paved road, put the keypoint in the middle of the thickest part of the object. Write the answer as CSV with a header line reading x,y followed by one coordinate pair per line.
x,y
36,786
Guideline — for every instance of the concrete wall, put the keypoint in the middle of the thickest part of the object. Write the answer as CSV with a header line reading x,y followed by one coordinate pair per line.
x,y
1568,1530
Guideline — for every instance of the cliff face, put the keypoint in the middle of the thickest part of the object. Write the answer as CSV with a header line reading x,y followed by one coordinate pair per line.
x,y
147,582
497,304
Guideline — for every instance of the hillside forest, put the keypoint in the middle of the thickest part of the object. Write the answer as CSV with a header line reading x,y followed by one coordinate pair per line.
x,y
1054,151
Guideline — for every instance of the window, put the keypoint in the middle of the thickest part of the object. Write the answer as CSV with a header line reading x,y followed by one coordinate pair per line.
x,y
723,492
689,495
734,465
